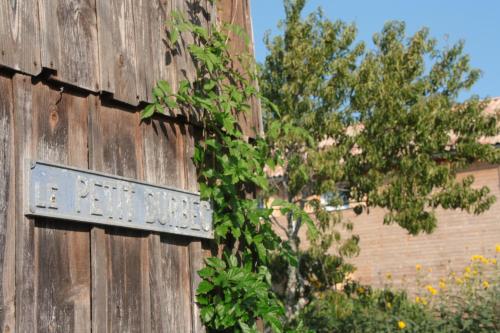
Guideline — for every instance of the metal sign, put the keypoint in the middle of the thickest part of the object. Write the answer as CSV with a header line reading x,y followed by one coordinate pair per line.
x,y
67,193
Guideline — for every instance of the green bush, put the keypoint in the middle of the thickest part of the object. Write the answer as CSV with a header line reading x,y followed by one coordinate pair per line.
x,y
465,302
468,301
360,309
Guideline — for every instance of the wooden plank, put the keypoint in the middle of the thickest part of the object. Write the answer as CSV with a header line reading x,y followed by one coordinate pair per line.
x,y
62,250
143,27
176,274
69,41
161,168
197,247
117,49
255,102
196,256
238,13
7,208
120,272
164,164
158,61
19,36
52,258
25,253
184,64
162,57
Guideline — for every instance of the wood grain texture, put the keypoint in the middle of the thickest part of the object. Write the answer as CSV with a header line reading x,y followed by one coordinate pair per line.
x,y
52,258
68,32
19,36
237,12
160,167
25,253
120,265
196,257
143,26
184,64
7,208
196,246
62,249
117,49
177,283
162,57
170,280
180,63
116,46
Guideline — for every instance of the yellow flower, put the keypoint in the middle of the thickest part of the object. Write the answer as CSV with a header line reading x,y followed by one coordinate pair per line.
x,y
361,290
467,269
497,248
459,281
431,290
480,258
401,325
486,284
442,285
388,276
418,267
389,305
493,261
420,300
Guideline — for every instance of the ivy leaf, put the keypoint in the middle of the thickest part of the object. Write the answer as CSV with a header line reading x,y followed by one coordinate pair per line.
x,y
247,329
206,272
207,313
233,262
215,263
204,287
148,111
174,36
209,85
274,322
165,87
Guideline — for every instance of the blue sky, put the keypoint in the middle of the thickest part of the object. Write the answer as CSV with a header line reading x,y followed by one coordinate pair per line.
x,y
476,22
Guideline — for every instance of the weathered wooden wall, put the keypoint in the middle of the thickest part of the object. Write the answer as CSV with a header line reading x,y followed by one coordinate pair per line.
x,y
73,277
73,78
237,12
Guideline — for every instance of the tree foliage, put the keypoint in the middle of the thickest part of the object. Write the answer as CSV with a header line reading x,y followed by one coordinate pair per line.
x,y
383,124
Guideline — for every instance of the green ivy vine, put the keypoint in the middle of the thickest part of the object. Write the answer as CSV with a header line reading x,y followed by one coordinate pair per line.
x,y
235,291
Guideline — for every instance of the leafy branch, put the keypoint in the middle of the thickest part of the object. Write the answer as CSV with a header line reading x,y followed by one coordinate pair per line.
x,y
235,290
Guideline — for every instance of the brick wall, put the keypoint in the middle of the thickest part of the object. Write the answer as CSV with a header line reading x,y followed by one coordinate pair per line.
x,y
390,250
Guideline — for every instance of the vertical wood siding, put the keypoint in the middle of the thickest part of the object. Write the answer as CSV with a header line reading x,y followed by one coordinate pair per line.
x,y
120,280
68,33
102,60
7,208
117,47
52,258
237,12
170,280
20,36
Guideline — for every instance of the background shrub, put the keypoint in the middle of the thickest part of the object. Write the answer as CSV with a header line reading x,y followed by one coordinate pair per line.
x,y
462,302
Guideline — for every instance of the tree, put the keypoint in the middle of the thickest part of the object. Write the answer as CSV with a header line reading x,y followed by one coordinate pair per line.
x,y
383,125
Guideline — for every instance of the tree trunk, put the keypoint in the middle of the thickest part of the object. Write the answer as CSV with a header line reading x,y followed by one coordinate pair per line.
x,y
291,293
